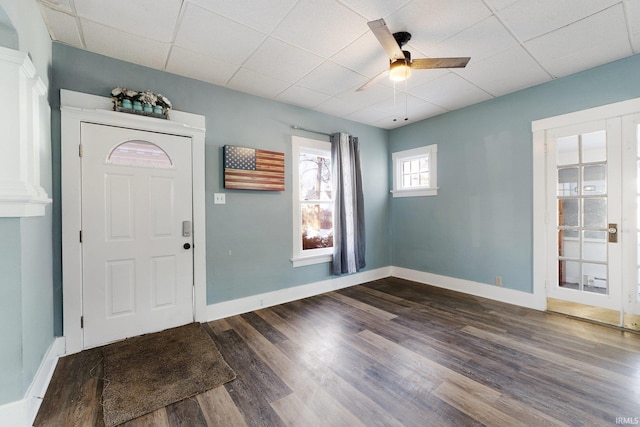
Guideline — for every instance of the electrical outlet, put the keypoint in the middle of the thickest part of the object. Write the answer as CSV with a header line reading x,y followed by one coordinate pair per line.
x,y
498,280
219,199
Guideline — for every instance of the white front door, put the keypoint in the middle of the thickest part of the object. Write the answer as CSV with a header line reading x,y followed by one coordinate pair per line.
x,y
137,258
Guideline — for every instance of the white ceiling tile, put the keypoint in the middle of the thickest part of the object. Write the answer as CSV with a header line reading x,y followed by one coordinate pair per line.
x,y
249,81
451,92
374,9
331,79
261,15
213,35
323,27
484,39
371,114
365,55
632,11
62,5
281,60
500,4
365,98
431,21
596,40
529,19
302,96
152,19
62,27
198,66
505,72
127,47
337,107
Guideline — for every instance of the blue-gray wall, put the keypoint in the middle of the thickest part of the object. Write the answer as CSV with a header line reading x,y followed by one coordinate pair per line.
x,y
249,239
26,284
480,224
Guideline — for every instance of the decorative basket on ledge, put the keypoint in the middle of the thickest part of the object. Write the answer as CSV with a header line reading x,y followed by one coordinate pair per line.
x,y
144,103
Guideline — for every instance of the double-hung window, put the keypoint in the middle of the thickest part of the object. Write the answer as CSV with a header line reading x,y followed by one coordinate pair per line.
x,y
415,172
312,201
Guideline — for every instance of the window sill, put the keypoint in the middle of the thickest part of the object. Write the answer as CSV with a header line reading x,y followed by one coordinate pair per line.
x,y
310,260
415,193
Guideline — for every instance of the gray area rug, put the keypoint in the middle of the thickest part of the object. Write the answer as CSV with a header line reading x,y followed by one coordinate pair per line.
x,y
151,371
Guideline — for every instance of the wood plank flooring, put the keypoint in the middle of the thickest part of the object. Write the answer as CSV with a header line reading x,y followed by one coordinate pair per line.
x,y
390,353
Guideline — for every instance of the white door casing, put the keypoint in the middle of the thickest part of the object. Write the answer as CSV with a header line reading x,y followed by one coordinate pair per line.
x,y
136,195
78,108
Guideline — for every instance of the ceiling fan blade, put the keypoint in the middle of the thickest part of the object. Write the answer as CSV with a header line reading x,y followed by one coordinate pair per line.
x,y
423,63
373,81
386,39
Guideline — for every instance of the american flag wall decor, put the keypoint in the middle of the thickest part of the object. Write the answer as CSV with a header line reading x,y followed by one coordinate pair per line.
x,y
253,169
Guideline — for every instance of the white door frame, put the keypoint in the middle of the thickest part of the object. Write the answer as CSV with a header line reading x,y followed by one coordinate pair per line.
x,y
77,108
541,256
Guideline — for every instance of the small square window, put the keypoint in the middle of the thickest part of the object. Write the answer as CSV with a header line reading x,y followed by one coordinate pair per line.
x,y
414,172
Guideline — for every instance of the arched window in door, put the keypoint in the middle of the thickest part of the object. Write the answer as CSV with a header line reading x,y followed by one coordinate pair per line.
x,y
139,153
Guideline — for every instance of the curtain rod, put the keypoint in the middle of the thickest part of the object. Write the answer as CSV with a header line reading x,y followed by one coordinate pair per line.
x,y
309,130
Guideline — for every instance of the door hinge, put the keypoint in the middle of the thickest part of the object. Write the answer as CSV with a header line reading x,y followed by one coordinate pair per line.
x,y
81,322
80,236
80,150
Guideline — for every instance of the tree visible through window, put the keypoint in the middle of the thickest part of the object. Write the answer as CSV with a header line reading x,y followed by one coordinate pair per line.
x,y
313,198
316,201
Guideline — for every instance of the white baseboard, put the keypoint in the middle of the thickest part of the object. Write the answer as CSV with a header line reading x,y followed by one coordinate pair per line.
x,y
268,299
496,293
23,412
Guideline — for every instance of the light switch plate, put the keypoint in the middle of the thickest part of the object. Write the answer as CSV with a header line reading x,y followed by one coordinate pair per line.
x,y
219,199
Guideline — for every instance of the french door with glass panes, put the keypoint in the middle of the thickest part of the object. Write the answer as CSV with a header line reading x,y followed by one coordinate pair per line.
x,y
592,171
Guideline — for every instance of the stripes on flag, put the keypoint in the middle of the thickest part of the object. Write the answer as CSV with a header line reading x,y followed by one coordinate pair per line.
x,y
253,169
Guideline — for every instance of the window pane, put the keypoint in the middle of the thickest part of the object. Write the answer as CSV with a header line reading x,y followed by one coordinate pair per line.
x,y
569,212
415,166
424,164
594,146
315,177
594,180
595,213
594,245
139,153
317,226
406,181
424,179
568,181
406,167
568,246
569,274
594,278
567,150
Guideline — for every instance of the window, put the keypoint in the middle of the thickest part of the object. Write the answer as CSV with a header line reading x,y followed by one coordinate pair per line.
x,y
312,202
415,172
139,153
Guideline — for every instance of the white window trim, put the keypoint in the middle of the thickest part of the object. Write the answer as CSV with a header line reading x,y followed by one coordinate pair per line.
x,y
400,156
313,256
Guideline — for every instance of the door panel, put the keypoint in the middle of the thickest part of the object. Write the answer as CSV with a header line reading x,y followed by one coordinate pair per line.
x,y
136,193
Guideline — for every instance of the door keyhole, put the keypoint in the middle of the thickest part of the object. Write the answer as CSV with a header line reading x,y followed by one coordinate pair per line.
x,y
187,246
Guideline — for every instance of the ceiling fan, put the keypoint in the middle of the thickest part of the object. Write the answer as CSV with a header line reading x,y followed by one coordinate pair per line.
x,y
400,62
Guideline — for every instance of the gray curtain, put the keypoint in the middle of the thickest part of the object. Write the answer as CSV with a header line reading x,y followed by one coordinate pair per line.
x,y
348,227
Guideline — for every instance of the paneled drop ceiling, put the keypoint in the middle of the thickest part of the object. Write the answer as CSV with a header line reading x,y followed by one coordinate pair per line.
x,y
316,53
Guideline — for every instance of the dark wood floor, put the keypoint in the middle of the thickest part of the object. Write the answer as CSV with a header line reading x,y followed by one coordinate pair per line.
x,y
390,353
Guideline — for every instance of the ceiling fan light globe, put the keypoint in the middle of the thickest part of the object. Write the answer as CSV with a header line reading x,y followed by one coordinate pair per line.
x,y
399,71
